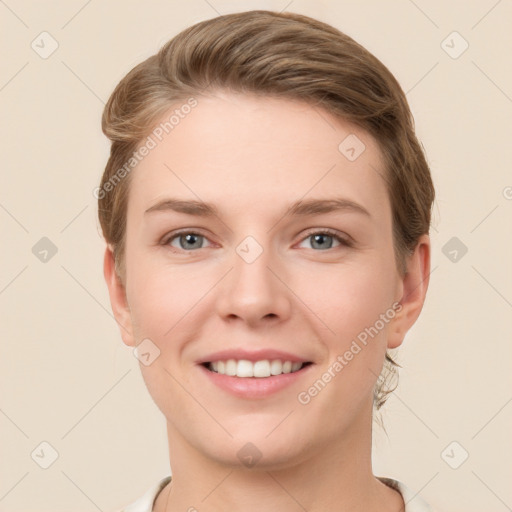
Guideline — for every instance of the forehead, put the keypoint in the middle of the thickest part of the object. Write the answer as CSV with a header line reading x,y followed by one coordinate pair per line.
x,y
250,149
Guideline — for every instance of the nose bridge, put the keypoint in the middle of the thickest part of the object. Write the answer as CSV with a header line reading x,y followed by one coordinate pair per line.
x,y
252,291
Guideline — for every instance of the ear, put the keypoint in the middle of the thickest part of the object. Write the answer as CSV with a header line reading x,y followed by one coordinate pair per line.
x,y
118,299
413,291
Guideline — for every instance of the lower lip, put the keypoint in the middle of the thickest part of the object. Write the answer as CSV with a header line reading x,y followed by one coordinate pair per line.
x,y
255,387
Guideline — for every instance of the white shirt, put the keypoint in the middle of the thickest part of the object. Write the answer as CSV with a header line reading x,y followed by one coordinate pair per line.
x,y
413,502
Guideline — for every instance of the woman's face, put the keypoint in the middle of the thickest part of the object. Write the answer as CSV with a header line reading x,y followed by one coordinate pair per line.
x,y
296,263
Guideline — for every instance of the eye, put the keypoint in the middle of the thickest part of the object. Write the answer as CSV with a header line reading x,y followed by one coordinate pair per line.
x,y
323,240
190,240
186,240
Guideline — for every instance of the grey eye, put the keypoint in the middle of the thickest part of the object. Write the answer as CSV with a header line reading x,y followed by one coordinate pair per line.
x,y
324,240
187,241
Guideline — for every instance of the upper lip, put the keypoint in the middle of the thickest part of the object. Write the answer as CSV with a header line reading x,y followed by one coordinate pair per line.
x,y
256,355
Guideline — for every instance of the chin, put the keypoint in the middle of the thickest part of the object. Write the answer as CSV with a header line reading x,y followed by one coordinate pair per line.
x,y
255,449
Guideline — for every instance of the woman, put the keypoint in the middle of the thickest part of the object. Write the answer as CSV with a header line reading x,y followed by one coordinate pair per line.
x,y
266,207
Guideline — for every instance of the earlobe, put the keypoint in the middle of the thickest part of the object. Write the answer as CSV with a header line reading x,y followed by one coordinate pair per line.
x,y
414,289
118,299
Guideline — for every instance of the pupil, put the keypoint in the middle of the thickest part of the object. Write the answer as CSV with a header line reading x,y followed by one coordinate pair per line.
x,y
321,240
191,238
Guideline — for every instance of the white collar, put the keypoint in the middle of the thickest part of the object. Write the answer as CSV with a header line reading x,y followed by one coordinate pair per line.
x,y
413,501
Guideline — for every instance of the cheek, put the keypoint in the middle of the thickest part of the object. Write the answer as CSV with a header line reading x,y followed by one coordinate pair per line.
x,y
355,303
165,302
160,302
348,299
156,306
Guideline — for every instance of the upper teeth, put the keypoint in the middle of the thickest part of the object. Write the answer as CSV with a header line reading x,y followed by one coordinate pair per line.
x,y
245,368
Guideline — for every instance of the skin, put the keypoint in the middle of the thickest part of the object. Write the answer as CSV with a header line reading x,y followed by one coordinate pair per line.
x,y
252,157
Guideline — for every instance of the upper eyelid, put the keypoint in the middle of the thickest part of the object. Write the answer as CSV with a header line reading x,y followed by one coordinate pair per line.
x,y
174,234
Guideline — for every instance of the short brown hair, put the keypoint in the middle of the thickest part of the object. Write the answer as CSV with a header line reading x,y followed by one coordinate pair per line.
x,y
284,55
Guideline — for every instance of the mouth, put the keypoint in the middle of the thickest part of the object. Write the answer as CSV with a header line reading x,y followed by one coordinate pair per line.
x,y
255,374
265,368
255,380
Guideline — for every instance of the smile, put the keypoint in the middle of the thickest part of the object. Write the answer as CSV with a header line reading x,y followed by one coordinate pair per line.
x,y
244,368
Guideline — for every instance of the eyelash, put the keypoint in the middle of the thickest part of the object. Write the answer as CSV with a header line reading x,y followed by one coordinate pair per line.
x,y
343,240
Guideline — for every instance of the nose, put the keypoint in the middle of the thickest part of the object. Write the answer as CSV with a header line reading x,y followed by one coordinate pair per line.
x,y
254,292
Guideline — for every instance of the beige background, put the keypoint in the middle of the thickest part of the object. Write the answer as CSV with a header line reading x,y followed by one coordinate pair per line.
x,y
66,377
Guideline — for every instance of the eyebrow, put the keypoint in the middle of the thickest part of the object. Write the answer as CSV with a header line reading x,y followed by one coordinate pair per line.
x,y
307,207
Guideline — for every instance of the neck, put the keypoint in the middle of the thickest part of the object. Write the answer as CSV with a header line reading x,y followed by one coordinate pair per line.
x,y
337,477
